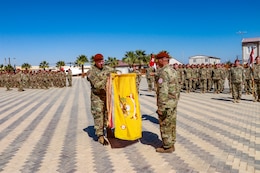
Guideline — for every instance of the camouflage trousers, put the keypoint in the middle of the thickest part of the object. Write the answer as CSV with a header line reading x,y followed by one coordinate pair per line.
x,y
217,85
237,90
167,123
209,84
150,82
257,89
194,84
248,86
98,110
188,84
203,85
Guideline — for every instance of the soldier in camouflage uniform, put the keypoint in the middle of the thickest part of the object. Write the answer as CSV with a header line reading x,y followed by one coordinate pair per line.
x,y
194,76
20,80
216,76
209,77
167,99
188,78
69,77
180,77
256,76
248,79
237,78
97,76
138,77
223,77
1,78
203,78
8,80
150,78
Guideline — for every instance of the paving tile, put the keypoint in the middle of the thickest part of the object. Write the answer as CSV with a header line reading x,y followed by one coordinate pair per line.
x,y
52,131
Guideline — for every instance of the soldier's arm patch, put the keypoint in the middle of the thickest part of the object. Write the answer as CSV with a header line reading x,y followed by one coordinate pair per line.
x,y
160,80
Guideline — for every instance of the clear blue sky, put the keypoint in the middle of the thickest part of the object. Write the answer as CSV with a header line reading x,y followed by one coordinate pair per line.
x,y
32,31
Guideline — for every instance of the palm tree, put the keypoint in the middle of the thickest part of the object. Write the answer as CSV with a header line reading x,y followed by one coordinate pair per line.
x,y
26,66
59,64
112,62
130,58
44,64
9,68
92,59
81,60
141,57
146,59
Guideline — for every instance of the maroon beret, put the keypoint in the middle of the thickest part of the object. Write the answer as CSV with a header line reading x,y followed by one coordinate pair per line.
x,y
162,55
98,57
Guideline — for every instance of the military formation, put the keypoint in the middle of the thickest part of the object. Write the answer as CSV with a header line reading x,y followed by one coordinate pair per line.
x,y
209,78
38,79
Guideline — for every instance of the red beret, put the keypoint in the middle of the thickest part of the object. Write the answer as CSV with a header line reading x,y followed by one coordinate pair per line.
x,y
162,55
98,57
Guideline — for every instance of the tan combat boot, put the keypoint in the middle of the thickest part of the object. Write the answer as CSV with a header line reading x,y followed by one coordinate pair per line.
x,y
102,140
165,150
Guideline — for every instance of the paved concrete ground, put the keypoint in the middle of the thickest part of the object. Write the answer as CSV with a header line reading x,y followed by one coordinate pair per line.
x,y
52,131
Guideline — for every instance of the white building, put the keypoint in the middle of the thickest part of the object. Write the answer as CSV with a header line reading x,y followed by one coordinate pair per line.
x,y
247,45
173,61
199,59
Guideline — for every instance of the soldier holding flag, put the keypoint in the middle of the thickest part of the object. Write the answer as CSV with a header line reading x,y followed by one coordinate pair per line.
x,y
97,76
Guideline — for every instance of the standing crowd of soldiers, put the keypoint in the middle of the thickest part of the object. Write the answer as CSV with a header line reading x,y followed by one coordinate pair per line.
x,y
40,79
208,78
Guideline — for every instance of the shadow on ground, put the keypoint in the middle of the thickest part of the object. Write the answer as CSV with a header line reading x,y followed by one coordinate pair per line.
x,y
230,99
150,118
148,138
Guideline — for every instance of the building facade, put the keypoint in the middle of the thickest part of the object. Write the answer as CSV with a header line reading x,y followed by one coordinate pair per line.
x,y
199,59
247,45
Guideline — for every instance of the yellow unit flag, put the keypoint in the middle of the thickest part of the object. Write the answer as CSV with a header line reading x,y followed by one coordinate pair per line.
x,y
124,107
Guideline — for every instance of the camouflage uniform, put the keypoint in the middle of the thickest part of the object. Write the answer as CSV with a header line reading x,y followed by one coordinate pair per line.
x,y
248,79
167,94
223,77
138,78
7,80
194,76
150,78
209,77
188,78
20,80
69,77
98,78
237,77
203,79
256,75
216,76
180,78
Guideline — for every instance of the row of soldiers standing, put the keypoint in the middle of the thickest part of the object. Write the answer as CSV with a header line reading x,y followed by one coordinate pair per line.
x,y
40,79
208,77
193,77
